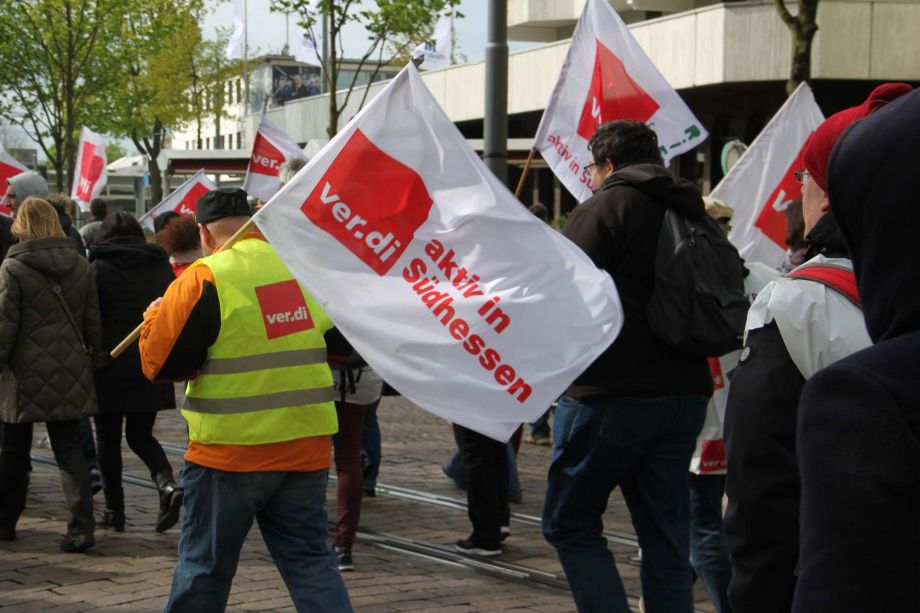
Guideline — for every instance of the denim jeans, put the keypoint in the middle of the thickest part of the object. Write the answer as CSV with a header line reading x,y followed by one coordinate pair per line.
x,y
643,445
220,507
454,470
708,547
540,427
370,443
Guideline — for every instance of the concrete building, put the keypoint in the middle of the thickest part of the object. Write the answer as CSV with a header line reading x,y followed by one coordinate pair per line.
x,y
729,61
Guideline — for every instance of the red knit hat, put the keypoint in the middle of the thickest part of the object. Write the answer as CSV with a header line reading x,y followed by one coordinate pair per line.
x,y
820,144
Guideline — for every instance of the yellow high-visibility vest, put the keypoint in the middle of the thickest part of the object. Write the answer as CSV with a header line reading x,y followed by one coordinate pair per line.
x,y
265,379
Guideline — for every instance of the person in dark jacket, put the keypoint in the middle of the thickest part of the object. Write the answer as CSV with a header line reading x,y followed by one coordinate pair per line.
x,y
60,202
631,419
795,328
130,274
859,419
50,339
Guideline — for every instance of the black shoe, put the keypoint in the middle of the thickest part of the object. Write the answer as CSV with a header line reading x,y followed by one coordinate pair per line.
x,y
114,519
343,559
468,547
170,500
77,543
7,534
370,492
95,479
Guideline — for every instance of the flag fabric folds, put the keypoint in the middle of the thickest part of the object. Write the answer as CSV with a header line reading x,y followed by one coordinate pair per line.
x,y
9,168
462,300
761,185
435,53
270,149
234,50
183,200
606,76
89,177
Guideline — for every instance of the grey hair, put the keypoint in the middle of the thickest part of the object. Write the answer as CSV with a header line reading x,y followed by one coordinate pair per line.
x,y
289,169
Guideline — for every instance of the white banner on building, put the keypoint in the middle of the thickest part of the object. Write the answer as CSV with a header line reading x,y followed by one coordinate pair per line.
x,y
761,184
234,50
89,177
270,149
183,200
606,75
9,168
435,52
462,300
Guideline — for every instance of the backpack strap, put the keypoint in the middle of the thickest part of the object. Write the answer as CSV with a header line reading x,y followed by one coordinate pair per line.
x,y
839,278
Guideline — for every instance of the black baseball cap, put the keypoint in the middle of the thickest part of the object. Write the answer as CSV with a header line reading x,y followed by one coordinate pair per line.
x,y
220,203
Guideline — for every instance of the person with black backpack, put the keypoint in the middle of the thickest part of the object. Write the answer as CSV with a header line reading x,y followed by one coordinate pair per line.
x,y
631,419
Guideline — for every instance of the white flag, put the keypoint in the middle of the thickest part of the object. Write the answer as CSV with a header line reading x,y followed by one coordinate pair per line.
x,y
462,300
183,200
307,46
435,53
761,184
606,75
89,173
9,168
270,149
234,49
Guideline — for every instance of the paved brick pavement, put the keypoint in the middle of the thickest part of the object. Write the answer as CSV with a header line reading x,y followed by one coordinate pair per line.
x,y
132,571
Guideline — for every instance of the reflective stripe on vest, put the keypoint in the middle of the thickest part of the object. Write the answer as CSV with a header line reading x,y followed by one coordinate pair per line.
x,y
265,379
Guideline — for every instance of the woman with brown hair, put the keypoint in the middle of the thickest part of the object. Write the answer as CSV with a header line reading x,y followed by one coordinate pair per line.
x,y
50,336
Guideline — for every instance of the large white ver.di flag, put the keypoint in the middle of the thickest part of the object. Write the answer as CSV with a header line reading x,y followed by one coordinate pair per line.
x,y
606,75
9,168
89,176
761,185
462,300
435,52
183,200
234,50
270,149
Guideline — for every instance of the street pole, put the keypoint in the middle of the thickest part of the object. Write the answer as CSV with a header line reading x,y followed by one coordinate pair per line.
x,y
495,145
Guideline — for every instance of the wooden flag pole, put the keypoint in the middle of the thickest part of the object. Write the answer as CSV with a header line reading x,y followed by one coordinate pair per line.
x,y
520,185
136,334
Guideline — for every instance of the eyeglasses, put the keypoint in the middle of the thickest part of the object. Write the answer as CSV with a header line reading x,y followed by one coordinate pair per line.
x,y
801,176
590,167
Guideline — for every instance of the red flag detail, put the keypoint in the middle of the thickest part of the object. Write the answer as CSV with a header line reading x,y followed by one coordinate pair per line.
x,y
284,310
375,224
612,95
715,369
266,159
772,218
712,456
189,203
7,171
91,166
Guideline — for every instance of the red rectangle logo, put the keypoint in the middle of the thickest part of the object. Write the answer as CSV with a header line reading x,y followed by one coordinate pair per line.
x,y
284,309
371,203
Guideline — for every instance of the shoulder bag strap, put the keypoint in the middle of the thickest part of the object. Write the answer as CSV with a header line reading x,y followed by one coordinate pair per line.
x,y
837,277
73,322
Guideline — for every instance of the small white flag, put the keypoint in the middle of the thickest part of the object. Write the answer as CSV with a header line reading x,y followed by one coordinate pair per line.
x,y
183,200
270,149
89,172
435,53
9,168
606,76
460,298
761,185
234,49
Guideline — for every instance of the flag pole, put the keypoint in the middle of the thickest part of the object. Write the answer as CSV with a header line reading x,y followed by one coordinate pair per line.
x,y
136,333
520,185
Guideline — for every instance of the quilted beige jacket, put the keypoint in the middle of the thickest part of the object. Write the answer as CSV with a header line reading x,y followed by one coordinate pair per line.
x,y
52,373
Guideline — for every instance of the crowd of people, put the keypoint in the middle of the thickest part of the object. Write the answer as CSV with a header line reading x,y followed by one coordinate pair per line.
x,y
821,415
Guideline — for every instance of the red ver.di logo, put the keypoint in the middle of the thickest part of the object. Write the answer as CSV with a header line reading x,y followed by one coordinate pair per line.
x,y
189,204
370,203
772,218
284,309
613,95
265,159
90,171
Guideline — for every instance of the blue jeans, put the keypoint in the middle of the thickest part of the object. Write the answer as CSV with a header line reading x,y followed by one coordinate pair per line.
x,y
708,547
643,445
454,470
370,443
540,427
220,507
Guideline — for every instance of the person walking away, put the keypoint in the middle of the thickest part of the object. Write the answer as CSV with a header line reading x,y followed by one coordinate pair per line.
x,y
50,339
796,327
631,419
130,273
259,407
178,235
90,231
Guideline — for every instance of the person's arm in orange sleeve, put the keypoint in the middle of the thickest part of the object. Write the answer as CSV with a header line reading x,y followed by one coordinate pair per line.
x,y
177,332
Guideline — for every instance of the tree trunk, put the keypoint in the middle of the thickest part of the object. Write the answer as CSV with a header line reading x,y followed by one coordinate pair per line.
x,y
803,27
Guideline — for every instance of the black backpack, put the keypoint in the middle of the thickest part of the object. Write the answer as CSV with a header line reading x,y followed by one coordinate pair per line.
x,y
698,304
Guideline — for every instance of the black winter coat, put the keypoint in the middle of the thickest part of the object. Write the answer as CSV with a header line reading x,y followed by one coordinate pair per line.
x,y
618,229
130,273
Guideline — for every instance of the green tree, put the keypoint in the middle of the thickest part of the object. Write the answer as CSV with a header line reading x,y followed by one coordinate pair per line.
x,y
57,72
803,27
387,22
114,151
211,71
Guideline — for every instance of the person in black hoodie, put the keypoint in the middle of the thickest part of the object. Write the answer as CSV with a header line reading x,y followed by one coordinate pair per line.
x,y
794,328
631,419
130,273
859,419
